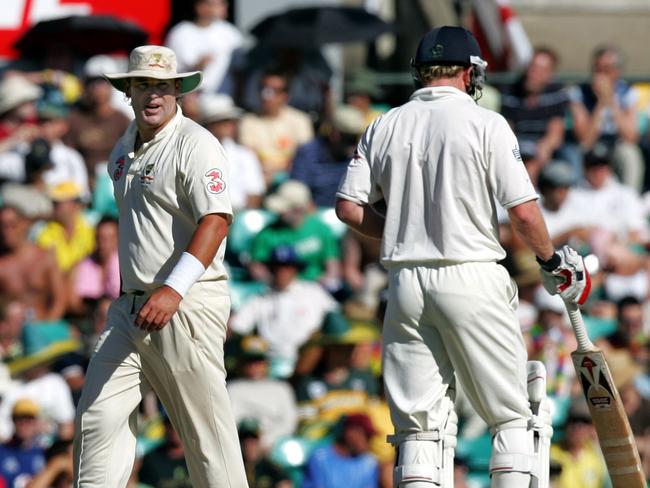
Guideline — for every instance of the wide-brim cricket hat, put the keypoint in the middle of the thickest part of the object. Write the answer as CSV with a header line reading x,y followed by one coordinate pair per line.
x,y
16,90
157,62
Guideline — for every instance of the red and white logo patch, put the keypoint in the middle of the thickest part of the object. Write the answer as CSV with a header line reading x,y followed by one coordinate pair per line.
x,y
215,183
119,168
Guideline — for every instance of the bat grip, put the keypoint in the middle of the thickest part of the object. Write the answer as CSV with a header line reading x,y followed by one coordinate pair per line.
x,y
579,329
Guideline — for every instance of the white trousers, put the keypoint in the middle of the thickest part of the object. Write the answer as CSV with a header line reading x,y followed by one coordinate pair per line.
x,y
183,363
456,319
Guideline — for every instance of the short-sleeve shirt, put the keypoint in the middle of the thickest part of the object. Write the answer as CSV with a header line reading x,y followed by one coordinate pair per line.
x,y
162,191
440,161
313,241
530,122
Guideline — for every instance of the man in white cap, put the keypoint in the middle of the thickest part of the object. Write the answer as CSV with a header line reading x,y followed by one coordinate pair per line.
x,y
167,330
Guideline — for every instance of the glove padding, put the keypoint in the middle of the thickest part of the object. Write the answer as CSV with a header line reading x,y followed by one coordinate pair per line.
x,y
565,274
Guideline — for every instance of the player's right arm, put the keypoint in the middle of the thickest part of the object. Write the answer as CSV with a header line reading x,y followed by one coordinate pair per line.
x,y
357,191
528,223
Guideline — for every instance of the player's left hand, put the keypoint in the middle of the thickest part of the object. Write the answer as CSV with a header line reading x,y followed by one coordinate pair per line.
x,y
565,274
158,309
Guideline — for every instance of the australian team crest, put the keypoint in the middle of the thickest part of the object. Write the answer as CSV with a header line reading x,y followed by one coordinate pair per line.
x,y
215,183
147,176
119,168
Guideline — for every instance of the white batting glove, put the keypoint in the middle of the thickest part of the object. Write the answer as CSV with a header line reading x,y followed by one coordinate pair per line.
x,y
565,274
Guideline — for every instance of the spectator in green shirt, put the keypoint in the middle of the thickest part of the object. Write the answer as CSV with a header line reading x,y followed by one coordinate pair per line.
x,y
297,226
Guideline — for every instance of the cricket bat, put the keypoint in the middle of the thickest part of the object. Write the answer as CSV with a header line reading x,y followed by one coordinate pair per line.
x,y
612,425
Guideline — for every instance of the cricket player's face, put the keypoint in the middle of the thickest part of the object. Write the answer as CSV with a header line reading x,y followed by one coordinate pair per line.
x,y
153,101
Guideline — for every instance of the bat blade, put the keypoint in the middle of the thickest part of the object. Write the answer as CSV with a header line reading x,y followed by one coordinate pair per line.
x,y
610,420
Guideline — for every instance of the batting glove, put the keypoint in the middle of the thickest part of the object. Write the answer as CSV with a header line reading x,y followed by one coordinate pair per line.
x,y
565,274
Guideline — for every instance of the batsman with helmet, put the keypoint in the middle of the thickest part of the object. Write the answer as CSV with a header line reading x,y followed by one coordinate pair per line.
x,y
441,162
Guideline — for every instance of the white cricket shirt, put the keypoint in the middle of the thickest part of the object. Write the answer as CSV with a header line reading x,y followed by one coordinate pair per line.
x,y
439,161
162,192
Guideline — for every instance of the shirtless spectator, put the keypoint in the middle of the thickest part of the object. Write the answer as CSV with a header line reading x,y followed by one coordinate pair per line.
x,y
278,130
27,272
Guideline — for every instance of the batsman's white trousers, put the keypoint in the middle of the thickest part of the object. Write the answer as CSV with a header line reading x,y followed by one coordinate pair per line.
x,y
455,318
183,363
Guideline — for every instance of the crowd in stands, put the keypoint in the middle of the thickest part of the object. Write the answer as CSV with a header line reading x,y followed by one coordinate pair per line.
x,y
303,347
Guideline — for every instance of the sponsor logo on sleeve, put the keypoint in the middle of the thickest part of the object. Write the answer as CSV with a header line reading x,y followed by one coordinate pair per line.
x,y
119,168
516,153
215,183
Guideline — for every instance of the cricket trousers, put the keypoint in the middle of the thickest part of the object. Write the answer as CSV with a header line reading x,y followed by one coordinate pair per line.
x,y
454,320
183,364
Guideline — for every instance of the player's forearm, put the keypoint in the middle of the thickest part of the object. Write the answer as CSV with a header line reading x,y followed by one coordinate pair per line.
x,y
362,218
529,225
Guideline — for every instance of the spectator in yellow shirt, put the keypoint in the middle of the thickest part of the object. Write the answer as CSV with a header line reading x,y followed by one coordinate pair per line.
x,y
578,456
69,233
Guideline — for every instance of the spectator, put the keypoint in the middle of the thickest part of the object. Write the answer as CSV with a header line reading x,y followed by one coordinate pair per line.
x,y
28,273
69,233
22,456
43,344
565,213
347,461
98,275
334,387
536,106
95,124
271,402
618,212
32,195
208,43
260,470
299,227
630,334
321,162
361,91
58,470
578,456
305,68
276,132
220,116
604,110
68,164
18,124
287,315
165,464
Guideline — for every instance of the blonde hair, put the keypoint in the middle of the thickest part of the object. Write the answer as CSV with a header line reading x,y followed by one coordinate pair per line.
x,y
435,72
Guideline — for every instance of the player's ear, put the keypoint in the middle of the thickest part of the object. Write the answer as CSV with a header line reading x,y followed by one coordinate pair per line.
x,y
127,88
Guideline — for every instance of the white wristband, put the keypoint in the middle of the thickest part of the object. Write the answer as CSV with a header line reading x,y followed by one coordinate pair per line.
x,y
185,273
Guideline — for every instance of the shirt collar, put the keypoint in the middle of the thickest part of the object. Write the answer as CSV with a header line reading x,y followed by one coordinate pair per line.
x,y
132,131
432,93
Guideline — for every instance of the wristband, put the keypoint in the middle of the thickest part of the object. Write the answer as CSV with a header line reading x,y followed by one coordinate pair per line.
x,y
551,264
188,269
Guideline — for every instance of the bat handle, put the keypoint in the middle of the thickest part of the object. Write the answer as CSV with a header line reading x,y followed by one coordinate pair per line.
x,y
575,316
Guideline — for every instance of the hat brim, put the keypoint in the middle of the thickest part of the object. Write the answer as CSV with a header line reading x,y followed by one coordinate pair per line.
x,y
231,114
190,81
49,353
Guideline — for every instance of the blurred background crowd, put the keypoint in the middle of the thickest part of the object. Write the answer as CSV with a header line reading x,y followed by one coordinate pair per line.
x,y
288,98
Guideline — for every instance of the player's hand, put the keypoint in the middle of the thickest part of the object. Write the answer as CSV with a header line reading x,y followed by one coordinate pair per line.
x,y
565,274
158,309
